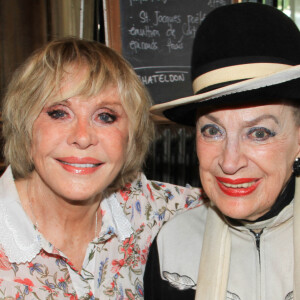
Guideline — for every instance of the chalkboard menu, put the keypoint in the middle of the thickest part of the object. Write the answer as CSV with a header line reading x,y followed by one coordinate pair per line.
x,y
157,38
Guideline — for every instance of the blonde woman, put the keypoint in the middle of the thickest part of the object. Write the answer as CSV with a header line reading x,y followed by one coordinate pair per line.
x,y
76,214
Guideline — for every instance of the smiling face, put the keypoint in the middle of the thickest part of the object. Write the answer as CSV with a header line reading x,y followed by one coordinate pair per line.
x,y
79,143
246,157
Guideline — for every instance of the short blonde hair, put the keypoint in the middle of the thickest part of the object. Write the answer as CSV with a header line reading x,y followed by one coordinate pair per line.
x,y
39,78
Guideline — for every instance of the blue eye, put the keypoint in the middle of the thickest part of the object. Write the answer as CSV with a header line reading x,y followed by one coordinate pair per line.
x,y
107,118
260,133
211,131
57,114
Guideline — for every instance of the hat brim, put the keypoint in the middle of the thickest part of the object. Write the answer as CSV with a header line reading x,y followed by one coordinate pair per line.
x,y
281,85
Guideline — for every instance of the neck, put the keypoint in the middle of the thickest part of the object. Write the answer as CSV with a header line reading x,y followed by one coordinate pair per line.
x,y
69,225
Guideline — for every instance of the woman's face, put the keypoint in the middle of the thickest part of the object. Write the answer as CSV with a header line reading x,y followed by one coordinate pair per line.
x,y
246,157
79,144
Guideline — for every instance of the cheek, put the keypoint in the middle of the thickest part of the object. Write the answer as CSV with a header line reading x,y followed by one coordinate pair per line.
x,y
207,154
274,159
114,141
45,139
38,137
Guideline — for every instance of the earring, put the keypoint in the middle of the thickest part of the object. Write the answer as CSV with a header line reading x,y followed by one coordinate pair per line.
x,y
296,166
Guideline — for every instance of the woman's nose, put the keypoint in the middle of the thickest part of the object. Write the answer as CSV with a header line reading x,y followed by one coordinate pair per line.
x,y
82,135
232,158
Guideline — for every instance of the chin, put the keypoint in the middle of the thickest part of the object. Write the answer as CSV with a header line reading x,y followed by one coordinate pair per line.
x,y
78,193
79,199
238,216
236,209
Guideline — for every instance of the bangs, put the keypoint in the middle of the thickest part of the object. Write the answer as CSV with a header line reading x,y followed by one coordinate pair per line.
x,y
80,79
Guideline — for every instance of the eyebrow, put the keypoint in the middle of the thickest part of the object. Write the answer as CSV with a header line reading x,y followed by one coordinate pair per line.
x,y
249,123
67,102
58,102
111,103
261,118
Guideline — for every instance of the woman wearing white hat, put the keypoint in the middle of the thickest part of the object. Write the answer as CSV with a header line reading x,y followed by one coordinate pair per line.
x,y
244,243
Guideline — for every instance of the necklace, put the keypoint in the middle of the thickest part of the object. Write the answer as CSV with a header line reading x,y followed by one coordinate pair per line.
x,y
35,218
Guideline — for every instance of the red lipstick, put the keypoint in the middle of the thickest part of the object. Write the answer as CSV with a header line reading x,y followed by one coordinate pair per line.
x,y
80,165
237,191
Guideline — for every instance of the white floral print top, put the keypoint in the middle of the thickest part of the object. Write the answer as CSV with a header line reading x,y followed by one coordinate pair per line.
x,y
32,268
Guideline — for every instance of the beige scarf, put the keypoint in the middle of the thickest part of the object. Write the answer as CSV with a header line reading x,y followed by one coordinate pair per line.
x,y
215,257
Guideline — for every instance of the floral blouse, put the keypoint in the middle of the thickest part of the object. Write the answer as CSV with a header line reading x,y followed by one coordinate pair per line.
x,y
113,268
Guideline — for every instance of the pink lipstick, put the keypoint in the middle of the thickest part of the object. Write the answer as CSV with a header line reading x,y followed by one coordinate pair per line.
x,y
80,165
237,187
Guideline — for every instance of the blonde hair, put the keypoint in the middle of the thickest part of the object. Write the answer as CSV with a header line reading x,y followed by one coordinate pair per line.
x,y
39,79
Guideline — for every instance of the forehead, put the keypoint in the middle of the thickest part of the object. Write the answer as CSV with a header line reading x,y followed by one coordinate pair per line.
x,y
276,112
108,97
76,82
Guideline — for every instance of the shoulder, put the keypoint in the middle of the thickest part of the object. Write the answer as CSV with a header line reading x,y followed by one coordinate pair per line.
x,y
179,243
188,224
155,190
183,228
172,191
152,203
7,185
